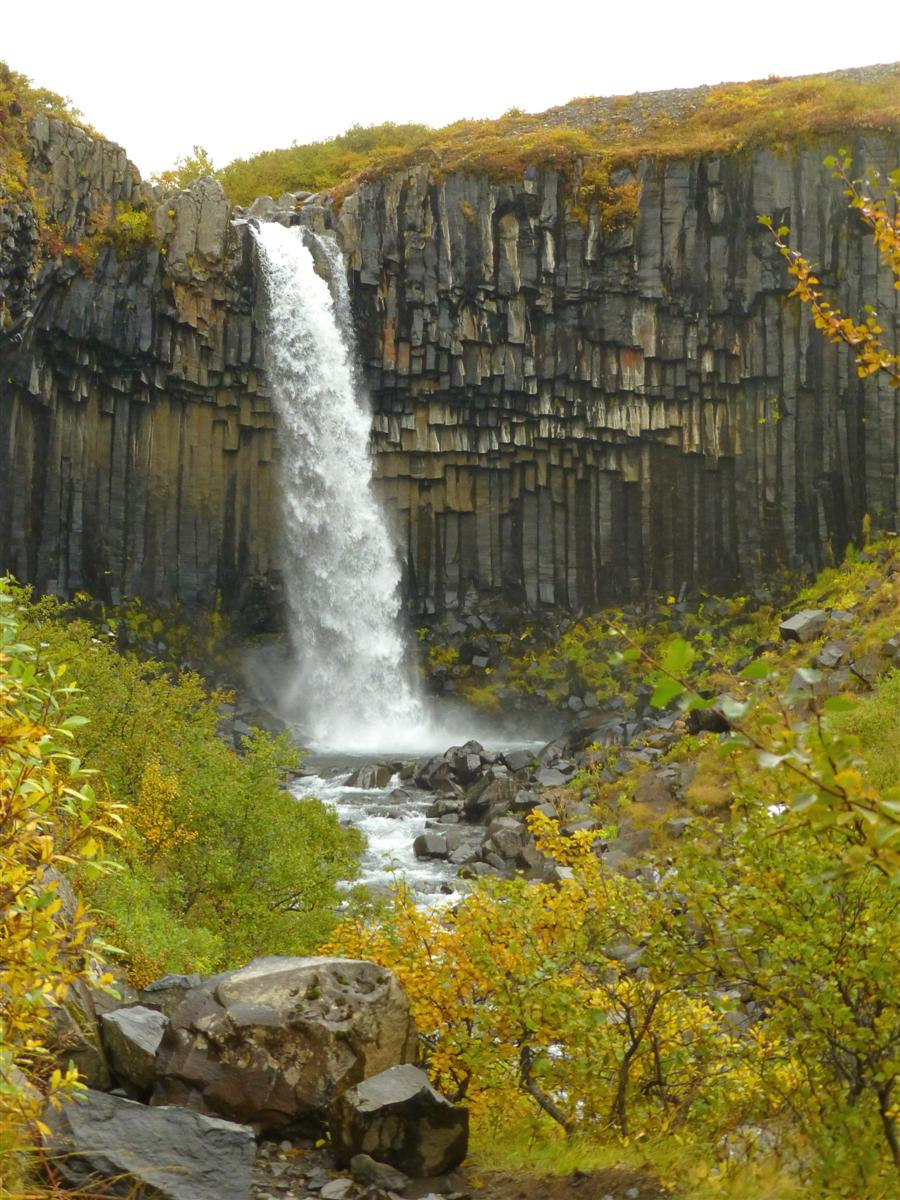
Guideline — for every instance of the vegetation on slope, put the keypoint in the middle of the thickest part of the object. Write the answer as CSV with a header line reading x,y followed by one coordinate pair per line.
x,y
554,658
127,229
744,1006
20,102
216,862
589,140
52,817
746,1002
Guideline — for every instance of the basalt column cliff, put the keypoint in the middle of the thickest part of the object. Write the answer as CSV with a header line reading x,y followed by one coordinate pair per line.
x,y
572,416
562,412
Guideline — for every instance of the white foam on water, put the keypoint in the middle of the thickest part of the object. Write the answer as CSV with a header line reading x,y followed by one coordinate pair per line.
x,y
390,828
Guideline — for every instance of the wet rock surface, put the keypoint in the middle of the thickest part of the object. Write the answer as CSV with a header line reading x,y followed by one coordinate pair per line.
x,y
132,1037
397,1117
804,625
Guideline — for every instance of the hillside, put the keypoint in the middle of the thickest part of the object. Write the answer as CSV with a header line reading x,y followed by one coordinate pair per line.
x,y
588,137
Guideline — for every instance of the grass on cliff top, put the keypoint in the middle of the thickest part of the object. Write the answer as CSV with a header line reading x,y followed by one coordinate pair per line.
x,y
723,119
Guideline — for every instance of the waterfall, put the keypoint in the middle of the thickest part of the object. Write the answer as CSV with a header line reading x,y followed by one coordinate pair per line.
x,y
341,570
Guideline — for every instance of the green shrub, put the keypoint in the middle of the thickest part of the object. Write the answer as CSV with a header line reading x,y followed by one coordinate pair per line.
x,y
219,862
130,231
875,722
585,149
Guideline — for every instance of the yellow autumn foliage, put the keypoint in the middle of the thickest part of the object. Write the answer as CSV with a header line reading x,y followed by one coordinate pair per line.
x,y
525,994
50,818
154,819
876,201
748,993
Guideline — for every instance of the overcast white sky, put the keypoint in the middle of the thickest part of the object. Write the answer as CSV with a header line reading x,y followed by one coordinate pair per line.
x,y
237,78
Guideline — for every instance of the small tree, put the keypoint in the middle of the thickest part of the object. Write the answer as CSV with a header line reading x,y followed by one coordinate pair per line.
x,y
50,818
196,165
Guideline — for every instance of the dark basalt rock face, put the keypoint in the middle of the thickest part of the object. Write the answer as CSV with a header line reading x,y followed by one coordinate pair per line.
x,y
574,416
136,442
560,414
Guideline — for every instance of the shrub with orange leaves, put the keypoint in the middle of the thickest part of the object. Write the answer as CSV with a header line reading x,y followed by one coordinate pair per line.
x,y
557,994
881,215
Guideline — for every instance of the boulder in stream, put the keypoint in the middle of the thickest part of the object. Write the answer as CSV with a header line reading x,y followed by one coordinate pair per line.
x,y
375,775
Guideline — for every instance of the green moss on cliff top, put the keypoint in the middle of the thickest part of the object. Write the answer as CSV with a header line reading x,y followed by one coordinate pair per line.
x,y
602,133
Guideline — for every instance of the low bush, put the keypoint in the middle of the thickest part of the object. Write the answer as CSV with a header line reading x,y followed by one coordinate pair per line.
x,y
218,861
53,817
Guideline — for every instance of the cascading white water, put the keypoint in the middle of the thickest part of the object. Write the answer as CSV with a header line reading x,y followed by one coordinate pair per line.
x,y
341,570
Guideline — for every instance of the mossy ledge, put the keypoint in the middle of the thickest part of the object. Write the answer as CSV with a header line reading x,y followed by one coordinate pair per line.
x,y
589,139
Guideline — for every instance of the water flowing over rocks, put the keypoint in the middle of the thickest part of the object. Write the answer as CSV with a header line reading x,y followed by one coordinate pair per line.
x,y
462,814
560,414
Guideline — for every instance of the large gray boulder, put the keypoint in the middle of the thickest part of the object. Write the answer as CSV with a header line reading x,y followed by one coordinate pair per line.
x,y
167,992
132,1037
397,1117
171,1153
273,1044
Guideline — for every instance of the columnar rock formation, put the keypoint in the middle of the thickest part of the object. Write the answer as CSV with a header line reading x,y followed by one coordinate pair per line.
x,y
573,416
561,414
136,435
